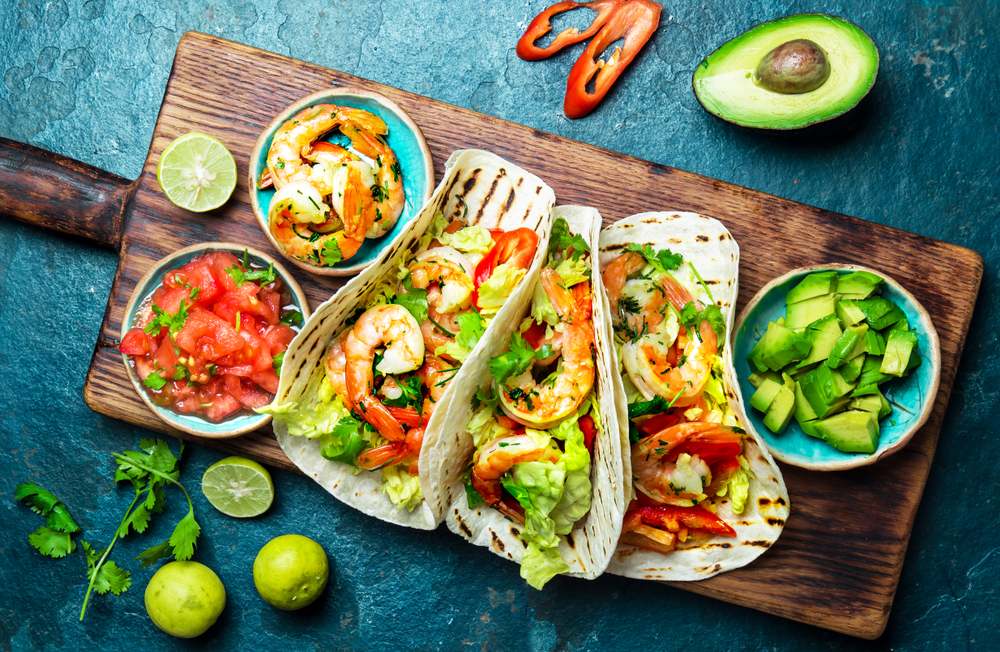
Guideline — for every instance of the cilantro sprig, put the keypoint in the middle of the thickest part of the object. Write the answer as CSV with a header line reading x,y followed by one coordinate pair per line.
x,y
692,317
411,392
162,319
413,299
562,238
663,260
518,358
260,276
149,470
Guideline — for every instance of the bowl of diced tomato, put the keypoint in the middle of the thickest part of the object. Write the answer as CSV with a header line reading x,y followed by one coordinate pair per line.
x,y
204,336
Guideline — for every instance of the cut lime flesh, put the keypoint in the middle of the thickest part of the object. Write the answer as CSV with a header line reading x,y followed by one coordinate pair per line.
x,y
238,487
197,172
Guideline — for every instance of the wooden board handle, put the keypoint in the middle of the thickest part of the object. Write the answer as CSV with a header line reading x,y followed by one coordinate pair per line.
x,y
58,193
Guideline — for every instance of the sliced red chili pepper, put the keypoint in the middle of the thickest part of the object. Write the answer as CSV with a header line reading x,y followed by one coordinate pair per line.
x,y
670,516
540,26
722,472
635,21
661,421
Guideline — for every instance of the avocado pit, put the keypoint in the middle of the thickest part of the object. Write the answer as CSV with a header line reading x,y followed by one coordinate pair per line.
x,y
798,66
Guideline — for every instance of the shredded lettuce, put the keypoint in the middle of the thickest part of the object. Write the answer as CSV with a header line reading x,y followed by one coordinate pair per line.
x,y
539,565
739,486
402,488
498,288
541,307
484,428
573,271
437,226
317,415
470,239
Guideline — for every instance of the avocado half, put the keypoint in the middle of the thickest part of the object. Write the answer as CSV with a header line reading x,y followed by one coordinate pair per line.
x,y
726,85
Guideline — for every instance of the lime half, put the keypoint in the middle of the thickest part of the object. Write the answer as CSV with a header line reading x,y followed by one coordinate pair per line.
x,y
238,487
197,172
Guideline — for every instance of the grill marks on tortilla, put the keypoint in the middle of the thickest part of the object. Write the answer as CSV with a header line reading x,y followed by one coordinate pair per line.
x,y
497,541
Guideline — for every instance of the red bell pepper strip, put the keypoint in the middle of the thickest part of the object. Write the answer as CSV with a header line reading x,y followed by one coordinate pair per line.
x,y
671,518
517,245
586,424
540,26
635,21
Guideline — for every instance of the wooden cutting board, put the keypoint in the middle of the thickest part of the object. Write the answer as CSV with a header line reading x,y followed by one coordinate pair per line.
x,y
838,562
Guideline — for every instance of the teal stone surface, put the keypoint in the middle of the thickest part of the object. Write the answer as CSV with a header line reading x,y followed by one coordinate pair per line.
x,y
908,395
407,145
85,78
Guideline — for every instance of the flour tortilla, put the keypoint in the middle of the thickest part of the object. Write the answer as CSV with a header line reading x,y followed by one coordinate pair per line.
x,y
497,194
706,243
589,546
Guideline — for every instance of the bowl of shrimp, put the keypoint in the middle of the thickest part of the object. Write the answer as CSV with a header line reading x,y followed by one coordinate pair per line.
x,y
335,176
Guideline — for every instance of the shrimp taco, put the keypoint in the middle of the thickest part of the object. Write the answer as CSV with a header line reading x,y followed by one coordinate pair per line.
x,y
706,496
536,429
366,385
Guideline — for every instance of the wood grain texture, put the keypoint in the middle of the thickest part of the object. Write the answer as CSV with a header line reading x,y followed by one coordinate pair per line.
x,y
838,562
60,194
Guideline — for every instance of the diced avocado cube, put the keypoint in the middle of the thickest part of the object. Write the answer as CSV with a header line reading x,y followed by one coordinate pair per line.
x,y
765,394
880,313
758,377
849,314
870,403
914,362
803,411
809,427
801,314
898,348
851,369
781,346
781,411
850,345
851,431
797,373
871,374
901,325
813,286
788,381
874,342
886,408
860,283
826,390
822,334
754,359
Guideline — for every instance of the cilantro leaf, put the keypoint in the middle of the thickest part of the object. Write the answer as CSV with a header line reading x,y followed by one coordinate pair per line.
x,y
470,328
562,238
150,556
51,543
154,381
291,318
663,260
277,361
59,519
412,395
162,319
518,358
489,397
38,499
185,537
692,317
413,299
105,576
346,443
331,253
241,276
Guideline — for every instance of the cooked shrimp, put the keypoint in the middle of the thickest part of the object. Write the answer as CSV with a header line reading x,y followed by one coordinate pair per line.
x,y
387,198
498,457
336,368
542,405
659,363
672,467
394,328
440,328
435,378
285,160
451,271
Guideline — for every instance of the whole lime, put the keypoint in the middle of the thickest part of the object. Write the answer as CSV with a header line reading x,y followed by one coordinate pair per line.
x,y
290,571
185,598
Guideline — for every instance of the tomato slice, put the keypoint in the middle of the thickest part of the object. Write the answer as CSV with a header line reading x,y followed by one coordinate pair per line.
x,y
516,246
208,336
195,278
672,518
169,300
135,342
219,262
268,380
278,338
244,300
246,391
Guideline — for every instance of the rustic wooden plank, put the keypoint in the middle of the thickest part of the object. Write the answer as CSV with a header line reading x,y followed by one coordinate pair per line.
x,y
837,564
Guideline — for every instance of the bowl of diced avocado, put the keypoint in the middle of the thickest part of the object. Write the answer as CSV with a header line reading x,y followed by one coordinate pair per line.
x,y
838,366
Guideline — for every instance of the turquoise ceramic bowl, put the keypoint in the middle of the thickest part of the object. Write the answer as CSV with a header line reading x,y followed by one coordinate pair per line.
x,y
245,420
406,141
912,397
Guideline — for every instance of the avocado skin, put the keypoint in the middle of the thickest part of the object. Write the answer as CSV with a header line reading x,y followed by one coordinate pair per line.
x,y
865,81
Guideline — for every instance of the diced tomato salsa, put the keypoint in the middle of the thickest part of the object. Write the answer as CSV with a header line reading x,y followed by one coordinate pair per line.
x,y
211,339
